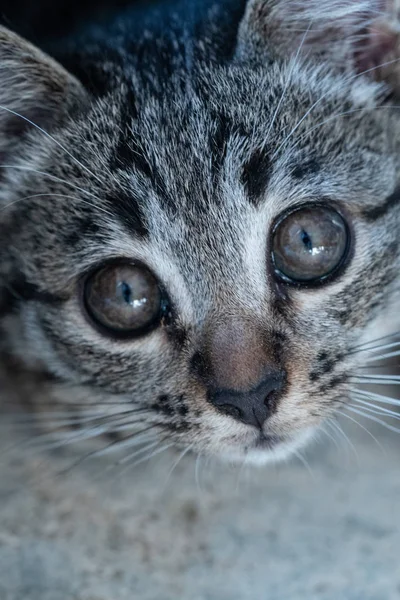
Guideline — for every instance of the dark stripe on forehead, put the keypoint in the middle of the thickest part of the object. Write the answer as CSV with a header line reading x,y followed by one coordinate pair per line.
x,y
218,143
129,211
255,176
305,169
372,214
129,155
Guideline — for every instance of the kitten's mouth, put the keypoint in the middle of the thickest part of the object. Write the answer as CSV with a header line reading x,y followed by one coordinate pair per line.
x,y
267,442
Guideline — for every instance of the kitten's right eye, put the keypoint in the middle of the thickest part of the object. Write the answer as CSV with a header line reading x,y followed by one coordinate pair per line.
x,y
125,300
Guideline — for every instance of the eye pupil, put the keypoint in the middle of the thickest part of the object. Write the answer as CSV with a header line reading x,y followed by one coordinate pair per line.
x,y
309,245
124,299
305,238
126,292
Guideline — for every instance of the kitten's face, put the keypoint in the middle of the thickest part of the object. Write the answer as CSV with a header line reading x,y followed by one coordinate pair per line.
x,y
208,264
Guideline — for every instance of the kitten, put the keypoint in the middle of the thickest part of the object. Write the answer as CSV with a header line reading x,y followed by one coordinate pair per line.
x,y
199,220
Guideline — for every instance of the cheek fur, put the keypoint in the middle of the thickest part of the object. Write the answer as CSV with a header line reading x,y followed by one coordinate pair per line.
x,y
186,169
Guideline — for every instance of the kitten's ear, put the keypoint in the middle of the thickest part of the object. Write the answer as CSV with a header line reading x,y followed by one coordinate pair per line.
x,y
355,35
34,86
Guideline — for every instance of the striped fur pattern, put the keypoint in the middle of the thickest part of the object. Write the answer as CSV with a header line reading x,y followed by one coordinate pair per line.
x,y
184,141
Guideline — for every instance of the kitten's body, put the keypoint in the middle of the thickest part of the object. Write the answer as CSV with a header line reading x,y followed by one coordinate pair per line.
x,y
196,129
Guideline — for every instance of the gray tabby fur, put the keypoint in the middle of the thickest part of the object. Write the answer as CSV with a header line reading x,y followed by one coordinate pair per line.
x,y
289,92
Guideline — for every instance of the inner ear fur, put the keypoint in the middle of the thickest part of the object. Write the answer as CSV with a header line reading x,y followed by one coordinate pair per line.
x,y
33,85
350,35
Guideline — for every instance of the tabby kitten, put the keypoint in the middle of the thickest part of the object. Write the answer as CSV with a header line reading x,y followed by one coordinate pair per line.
x,y
199,220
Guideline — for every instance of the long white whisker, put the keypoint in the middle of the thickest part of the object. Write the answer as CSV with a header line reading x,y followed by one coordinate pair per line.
x,y
378,410
63,417
65,438
55,440
330,436
65,196
197,472
344,114
321,98
305,463
129,457
376,348
376,340
286,86
378,397
346,416
376,379
383,356
375,419
146,458
335,426
50,137
52,177
112,446
176,463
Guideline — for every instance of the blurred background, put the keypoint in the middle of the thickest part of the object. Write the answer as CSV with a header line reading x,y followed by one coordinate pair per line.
x,y
47,18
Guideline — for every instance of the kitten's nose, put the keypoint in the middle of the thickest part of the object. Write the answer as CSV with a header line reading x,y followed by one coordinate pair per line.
x,y
252,407
242,378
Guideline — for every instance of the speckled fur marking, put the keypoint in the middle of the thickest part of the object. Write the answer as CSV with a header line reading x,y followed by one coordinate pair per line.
x,y
180,150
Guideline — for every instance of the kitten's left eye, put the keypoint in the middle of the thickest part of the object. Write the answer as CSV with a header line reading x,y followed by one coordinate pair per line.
x,y
309,245
124,299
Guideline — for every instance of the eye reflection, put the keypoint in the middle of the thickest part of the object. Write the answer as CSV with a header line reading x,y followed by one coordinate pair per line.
x,y
309,244
124,299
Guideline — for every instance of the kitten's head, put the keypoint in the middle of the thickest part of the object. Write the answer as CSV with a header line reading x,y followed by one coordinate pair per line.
x,y
197,252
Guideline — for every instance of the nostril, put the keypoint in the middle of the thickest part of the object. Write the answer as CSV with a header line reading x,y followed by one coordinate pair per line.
x,y
253,406
232,411
271,398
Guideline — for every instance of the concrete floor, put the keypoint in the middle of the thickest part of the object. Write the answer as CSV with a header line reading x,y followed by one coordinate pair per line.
x,y
330,532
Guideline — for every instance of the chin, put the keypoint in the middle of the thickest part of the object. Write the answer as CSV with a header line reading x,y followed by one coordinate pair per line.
x,y
268,449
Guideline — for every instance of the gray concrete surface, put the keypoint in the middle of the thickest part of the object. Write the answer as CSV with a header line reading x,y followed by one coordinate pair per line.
x,y
330,532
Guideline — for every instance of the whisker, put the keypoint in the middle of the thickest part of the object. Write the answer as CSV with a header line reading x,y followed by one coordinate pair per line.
x,y
240,473
369,367
343,414
321,98
78,405
197,472
176,463
50,137
383,356
287,83
335,425
120,472
59,439
375,419
115,444
379,397
376,348
305,463
379,339
376,379
343,114
378,410
149,457
330,436
69,413
65,196
65,419
55,178
126,459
